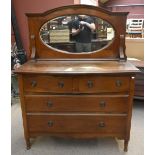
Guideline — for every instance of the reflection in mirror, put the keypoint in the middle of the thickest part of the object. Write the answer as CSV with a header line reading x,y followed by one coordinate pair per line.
x,y
77,33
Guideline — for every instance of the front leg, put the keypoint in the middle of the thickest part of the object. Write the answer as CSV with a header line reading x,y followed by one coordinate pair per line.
x,y
28,144
126,145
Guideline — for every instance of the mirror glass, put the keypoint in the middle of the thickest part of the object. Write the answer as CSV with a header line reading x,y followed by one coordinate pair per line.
x,y
77,33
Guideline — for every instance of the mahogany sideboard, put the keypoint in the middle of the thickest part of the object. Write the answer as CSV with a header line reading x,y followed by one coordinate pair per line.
x,y
83,95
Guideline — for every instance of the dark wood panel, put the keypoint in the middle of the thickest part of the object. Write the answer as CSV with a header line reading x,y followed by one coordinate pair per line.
x,y
139,87
140,76
139,82
139,93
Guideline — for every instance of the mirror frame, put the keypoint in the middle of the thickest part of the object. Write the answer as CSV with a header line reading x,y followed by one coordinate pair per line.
x,y
114,51
61,50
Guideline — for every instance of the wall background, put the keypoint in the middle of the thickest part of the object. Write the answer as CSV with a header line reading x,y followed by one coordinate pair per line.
x,y
32,6
135,48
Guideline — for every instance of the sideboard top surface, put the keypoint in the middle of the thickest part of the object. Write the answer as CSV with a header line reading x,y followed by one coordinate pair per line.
x,y
76,67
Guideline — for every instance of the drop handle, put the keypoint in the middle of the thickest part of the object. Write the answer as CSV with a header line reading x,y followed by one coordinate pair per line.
x,y
102,104
90,84
61,84
118,83
101,124
49,104
34,83
50,123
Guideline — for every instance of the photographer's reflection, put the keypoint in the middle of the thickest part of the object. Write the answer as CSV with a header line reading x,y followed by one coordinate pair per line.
x,y
82,29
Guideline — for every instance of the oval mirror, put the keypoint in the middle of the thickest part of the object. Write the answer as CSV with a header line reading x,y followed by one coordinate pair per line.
x,y
77,33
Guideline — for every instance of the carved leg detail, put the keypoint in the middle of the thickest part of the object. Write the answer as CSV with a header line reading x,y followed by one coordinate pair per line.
x,y
28,144
126,145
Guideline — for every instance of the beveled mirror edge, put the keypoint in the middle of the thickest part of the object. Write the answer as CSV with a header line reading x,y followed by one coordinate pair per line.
x,y
67,52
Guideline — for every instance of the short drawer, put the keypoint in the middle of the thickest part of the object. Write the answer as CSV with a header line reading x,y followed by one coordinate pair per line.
x,y
76,123
76,103
94,84
45,83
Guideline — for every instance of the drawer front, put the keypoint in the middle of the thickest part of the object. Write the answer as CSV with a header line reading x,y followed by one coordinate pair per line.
x,y
94,84
76,123
76,103
43,83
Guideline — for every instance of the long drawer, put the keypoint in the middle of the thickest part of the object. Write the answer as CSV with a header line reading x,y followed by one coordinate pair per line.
x,y
76,103
78,84
76,123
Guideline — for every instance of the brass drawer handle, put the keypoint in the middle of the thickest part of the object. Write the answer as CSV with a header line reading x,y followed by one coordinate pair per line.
x,y
34,83
90,84
118,83
101,124
49,104
102,104
61,84
50,123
